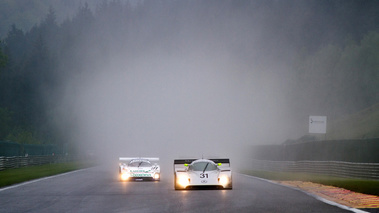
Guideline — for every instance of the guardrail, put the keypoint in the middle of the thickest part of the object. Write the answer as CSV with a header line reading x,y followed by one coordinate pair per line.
x,y
332,168
21,161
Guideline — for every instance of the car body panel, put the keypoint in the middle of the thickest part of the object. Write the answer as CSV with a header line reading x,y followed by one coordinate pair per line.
x,y
139,169
194,173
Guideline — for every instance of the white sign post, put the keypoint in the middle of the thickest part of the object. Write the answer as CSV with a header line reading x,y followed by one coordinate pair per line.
x,y
317,124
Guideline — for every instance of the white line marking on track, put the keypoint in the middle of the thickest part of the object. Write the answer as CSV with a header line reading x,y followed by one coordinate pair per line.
x,y
37,180
312,195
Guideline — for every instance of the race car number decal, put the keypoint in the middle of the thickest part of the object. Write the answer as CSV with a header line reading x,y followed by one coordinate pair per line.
x,y
202,175
141,175
138,171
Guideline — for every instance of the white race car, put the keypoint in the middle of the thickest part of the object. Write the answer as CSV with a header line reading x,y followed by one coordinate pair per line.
x,y
192,173
139,169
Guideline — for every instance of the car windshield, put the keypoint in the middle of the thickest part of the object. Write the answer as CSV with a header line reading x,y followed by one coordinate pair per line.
x,y
139,164
202,166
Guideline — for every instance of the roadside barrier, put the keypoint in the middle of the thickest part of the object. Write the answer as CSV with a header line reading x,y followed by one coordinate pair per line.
x,y
21,161
332,168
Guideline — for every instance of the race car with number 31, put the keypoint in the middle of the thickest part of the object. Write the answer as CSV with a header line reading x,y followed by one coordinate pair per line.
x,y
192,173
139,169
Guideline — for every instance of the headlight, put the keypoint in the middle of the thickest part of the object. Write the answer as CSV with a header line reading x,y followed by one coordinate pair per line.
x,y
223,180
124,176
183,181
156,176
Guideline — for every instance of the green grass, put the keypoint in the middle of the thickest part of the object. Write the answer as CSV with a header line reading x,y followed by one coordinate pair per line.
x,y
356,185
13,176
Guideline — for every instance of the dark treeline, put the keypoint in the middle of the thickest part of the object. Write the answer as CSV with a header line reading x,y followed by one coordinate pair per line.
x,y
327,49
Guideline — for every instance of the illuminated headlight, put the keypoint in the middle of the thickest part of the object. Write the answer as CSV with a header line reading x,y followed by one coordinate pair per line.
x,y
223,180
124,176
183,181
156,176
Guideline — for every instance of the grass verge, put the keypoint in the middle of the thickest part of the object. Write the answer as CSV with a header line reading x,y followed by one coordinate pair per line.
x,y
13,176
356,185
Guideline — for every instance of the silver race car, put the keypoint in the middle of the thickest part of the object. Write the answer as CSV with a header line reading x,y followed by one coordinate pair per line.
x,y
192,173
139,169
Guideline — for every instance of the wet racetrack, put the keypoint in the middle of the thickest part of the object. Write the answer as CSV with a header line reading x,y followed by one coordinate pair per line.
x,y
99,190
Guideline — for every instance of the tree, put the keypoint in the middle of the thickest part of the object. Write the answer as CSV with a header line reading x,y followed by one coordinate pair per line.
x,y
3,58
5,122
16,46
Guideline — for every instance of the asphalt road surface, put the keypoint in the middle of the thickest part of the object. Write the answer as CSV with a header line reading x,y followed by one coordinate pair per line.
x,y
99,190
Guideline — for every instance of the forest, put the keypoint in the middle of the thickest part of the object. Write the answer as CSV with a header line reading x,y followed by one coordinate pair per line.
x,y
325,55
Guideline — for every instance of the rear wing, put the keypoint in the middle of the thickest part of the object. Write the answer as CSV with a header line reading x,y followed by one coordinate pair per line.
x,y
225,163
221,160
138,158
183,161
179,164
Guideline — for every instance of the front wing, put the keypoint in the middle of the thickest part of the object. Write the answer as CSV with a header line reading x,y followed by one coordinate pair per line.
x,y
140,176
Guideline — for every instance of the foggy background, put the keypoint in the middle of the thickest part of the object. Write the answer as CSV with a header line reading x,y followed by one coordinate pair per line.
x,y
190,79
186,79
181,84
